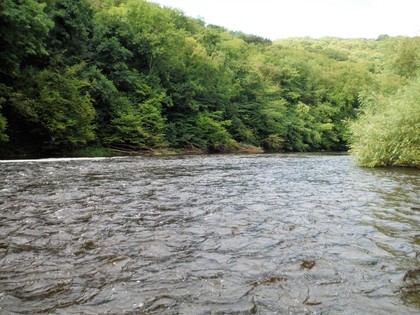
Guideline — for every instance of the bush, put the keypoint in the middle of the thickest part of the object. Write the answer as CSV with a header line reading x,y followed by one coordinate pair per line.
x,y
387,132
213,134
273,143
93,152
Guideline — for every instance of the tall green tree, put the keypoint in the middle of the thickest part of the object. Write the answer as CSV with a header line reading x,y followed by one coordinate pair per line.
x,y
69,39
407,59
51,113
136,127
24,27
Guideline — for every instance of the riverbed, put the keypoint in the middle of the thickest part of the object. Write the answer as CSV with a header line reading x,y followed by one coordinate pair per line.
x,y
208,234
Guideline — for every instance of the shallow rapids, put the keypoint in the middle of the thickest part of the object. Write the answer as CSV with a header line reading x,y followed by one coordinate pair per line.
x,y
217,234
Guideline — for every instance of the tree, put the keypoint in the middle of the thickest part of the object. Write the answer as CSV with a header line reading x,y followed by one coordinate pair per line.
x,y
407,59
52,112
212,134
136,127
23,30
69,39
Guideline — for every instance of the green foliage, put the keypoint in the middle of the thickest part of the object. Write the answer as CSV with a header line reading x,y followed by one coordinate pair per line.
x,y
212,134
136,127
105,96
130,75
70,36
274,143
64,112
93,152
406,62
3,121
23,29
3,125
51,112
387,132
205,131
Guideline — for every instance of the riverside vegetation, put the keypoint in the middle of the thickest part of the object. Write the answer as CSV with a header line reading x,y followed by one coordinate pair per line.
x,y
95,77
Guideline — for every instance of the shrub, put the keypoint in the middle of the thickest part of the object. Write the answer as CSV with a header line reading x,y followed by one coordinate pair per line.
x,y
387,132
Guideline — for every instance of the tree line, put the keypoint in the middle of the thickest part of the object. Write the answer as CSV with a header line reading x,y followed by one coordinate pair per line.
x,y
102,76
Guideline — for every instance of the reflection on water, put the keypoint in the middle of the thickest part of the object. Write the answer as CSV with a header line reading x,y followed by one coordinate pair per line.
x,y
247,234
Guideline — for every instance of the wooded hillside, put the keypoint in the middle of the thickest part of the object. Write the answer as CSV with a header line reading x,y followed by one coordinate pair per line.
x,y
78,75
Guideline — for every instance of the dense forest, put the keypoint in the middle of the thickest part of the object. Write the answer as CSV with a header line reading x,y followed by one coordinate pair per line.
x,y
98,77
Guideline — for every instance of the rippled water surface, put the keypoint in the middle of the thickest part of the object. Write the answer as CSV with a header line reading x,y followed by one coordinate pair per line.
x,y
221,234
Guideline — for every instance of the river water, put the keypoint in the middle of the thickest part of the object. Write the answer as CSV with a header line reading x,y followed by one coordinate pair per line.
x,y
216,234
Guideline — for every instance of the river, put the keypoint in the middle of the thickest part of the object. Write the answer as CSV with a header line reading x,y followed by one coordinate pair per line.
x,y
208,234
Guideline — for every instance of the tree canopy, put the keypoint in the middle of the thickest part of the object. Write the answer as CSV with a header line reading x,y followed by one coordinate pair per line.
x,y
131,75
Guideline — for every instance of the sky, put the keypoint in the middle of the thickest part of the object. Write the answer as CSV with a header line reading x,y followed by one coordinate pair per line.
x,y
275,19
